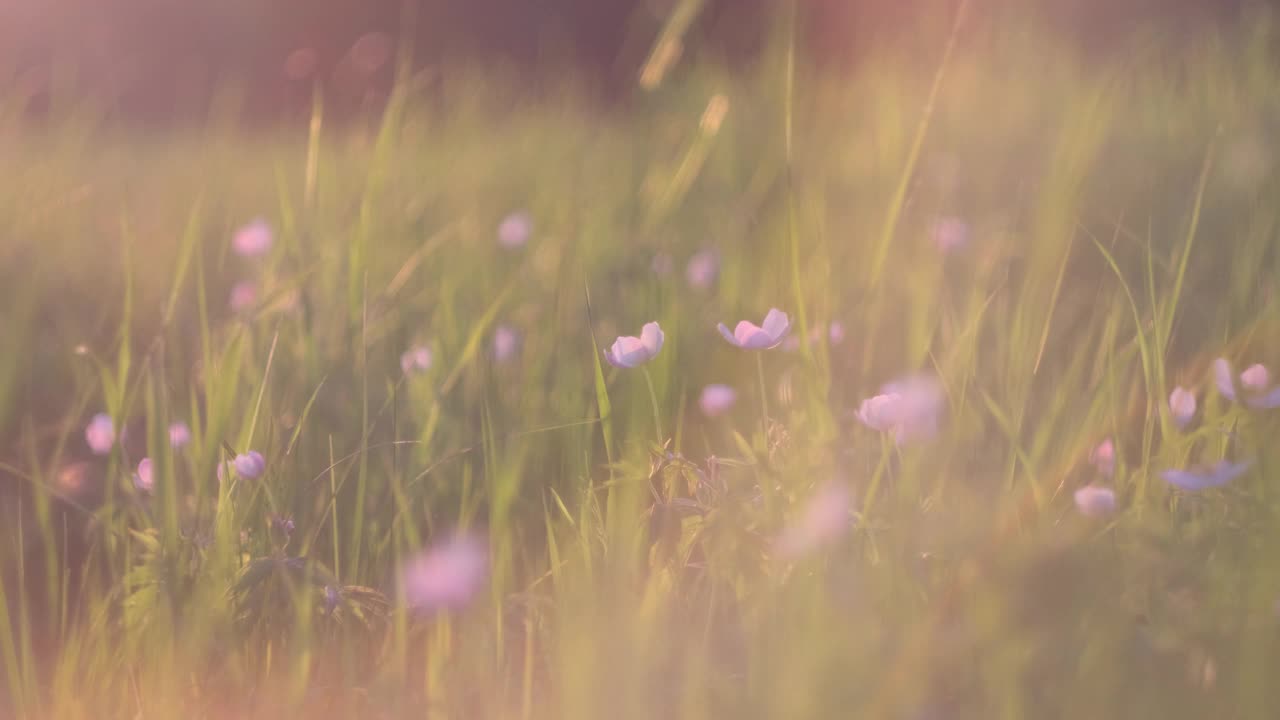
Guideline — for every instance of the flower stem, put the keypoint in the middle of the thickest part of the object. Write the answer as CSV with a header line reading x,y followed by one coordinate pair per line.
x,y
764,400
653,400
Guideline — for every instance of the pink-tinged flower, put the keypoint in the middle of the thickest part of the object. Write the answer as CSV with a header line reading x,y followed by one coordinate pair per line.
x,y
1255,378
143,480
100,434
878,412
717,399
179,435
1182,405
629,351
506,343
1254,381
514,230
250,465
416,360
1220,473
244,295
950,234
1094,501
910,408
824,519
702,269
835,332
749,336
1103,457
253,240
446,576
1222,378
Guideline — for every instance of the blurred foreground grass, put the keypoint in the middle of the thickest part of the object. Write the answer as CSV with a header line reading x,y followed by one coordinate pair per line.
x,y
1119,226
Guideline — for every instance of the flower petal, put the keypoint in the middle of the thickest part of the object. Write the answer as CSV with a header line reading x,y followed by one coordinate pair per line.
x,y
250,465
702,268
1222,378
1182,406
1255,377
506,342
917,406
100,434
447,575
1094,501
416,359
835,333
716,399
627,352
724,330
879,413
252,240
179,435
651,338
745,330
825,517
515,229
1267,401
776,324
1218,474
752,337
1103,457
950,233
144,479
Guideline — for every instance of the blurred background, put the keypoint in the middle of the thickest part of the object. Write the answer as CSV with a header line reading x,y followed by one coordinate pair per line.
x,y
163,60
1078,218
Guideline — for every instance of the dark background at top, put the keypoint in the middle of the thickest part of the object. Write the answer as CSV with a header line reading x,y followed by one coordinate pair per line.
x,y
160,58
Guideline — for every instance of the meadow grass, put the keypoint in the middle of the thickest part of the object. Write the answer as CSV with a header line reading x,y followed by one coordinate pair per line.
x,y
1121,227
